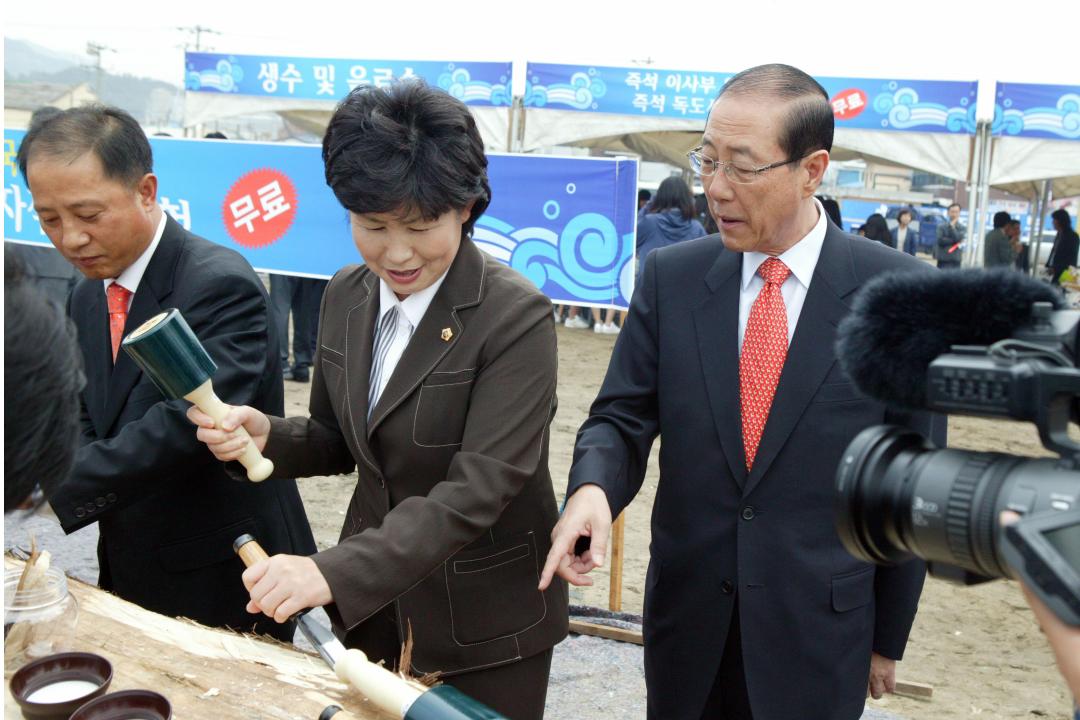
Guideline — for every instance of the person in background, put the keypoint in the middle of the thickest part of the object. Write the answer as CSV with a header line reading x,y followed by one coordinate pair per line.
x,y
876,228
903,236
997,247
1066,245
1020,250
644,195
301,297
950,236
832,209
670,219
166,509
701,207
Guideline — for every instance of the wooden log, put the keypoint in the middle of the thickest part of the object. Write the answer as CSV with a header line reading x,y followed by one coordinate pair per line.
x,y
204,672
582,627
615,576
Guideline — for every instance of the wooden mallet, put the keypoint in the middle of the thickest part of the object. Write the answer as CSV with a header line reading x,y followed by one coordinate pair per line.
x,y
167,350
390,692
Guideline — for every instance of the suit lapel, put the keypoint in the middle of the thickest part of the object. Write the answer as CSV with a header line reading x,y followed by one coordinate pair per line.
x,y
717,325
94,335
359,338
812,352
154,287
461,288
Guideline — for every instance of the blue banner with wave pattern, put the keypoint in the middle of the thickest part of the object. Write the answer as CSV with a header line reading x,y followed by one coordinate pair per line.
x,y
567,224
302,78
908,105
1039,111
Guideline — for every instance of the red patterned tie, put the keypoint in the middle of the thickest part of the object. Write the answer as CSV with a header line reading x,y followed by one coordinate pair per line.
x,y
118,297
764,350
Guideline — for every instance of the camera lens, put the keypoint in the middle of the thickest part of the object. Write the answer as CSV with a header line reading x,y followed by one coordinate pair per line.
x,y
898,496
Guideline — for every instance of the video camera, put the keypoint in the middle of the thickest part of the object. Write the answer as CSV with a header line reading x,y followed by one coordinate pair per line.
x,y
999,346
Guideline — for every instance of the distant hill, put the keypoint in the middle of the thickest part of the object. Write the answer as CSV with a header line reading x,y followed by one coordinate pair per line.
x,y
22,57
151,102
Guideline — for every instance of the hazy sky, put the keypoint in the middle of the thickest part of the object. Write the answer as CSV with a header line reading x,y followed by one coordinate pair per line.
x,y
1033,41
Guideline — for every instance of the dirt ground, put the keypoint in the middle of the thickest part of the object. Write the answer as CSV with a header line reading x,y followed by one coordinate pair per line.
x,y
978,646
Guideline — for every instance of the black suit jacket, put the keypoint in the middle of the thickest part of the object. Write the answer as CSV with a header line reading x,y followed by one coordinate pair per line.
x,y
166,509
1063,254
810,613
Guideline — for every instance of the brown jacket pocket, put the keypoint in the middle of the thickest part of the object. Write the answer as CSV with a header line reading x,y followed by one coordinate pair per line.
x,y
492,590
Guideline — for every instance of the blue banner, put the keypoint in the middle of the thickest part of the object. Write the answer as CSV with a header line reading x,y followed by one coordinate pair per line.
x,y
1040,111
474,83
625,91
566,223
911,105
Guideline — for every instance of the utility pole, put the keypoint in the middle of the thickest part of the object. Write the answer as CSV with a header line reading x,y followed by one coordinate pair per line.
x,y
96,50
197,31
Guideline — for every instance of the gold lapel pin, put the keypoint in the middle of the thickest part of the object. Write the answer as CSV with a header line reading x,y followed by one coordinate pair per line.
x,y
447,334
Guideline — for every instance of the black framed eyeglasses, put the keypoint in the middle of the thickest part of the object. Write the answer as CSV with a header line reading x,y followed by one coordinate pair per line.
x,y
705,166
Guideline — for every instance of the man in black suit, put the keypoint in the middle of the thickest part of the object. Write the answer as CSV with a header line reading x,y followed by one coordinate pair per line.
x,y
752,606
167,511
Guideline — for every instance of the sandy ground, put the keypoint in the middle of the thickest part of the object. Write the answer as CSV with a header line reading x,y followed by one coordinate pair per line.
x,y
978,647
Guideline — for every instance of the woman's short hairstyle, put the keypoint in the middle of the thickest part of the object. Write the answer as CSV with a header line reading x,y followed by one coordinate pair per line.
x,y
406,147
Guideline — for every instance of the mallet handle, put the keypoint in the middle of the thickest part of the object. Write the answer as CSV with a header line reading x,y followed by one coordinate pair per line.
x,y
386,690
258,467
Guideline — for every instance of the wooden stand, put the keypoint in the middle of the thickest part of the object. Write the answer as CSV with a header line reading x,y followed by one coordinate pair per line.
x,y
615,576
205,673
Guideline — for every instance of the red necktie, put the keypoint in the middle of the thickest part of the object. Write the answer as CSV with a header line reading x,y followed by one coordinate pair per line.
x,y
118,297
764,350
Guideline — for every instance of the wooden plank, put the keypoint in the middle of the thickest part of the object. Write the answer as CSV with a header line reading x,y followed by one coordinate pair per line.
x,y
616,554
921,691
185,661
582,627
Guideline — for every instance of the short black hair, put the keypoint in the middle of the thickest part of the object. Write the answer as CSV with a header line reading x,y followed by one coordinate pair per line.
x,y
673,193
644,194
1001,219
42,379
1014,222
954,205
216,135
1062,216
109,132
832,209
904,211
809,125
406,146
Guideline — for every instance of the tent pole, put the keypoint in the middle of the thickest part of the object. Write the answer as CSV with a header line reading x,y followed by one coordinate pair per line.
x,y
974,256
974,195
1043,202
510,125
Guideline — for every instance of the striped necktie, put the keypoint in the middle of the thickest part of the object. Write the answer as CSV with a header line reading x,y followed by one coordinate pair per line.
x,y
384,338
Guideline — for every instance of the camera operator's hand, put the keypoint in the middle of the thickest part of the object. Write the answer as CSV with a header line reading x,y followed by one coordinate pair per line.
x,y
1064,640
882,676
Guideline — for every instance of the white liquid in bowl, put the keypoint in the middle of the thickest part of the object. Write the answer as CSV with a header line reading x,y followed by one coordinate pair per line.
x,y
62,691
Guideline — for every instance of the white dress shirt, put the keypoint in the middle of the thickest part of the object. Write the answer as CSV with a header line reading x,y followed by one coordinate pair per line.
x,y
801,258
130,278
411,311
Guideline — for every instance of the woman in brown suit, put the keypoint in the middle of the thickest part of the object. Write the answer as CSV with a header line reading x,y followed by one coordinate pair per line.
x,y
435,379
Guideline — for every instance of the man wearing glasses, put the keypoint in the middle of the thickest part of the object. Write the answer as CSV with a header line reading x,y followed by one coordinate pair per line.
x,y
752,606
